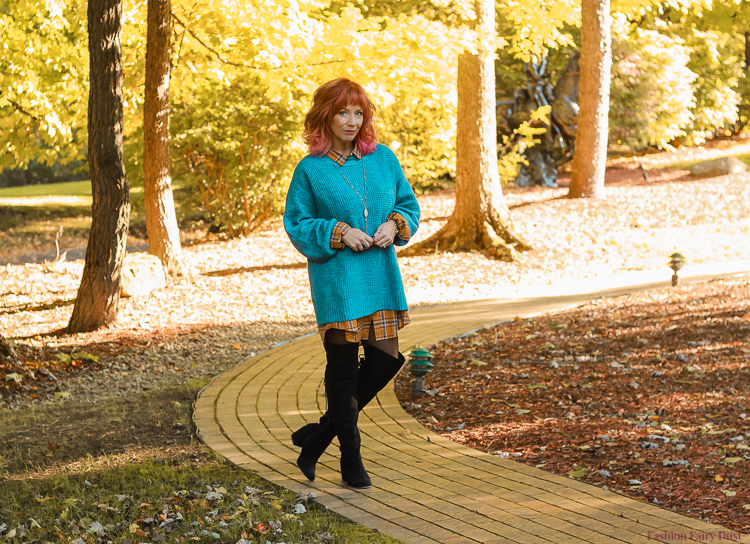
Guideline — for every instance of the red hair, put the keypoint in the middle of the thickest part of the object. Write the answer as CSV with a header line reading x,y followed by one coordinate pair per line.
x,y
329,99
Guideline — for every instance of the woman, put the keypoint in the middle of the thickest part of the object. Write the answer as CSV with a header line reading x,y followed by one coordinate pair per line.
x,y
348,204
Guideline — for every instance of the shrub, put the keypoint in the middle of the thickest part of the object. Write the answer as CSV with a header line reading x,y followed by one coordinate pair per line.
x,y
237,148
652,87
419,125
716,62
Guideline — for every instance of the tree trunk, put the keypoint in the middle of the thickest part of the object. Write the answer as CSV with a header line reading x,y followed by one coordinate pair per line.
x,y
481,220
99,293
161,223
590,156
7,350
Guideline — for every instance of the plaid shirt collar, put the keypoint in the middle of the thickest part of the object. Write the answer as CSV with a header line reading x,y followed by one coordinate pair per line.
x,y
340,158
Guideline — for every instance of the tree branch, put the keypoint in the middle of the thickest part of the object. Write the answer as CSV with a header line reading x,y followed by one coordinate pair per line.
x,y
242,65
204,44
18,108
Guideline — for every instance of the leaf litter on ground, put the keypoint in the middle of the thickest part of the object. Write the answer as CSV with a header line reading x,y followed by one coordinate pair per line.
x,y
261,282
680,439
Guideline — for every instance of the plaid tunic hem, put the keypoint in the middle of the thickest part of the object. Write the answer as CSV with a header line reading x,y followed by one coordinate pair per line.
x,y
385,322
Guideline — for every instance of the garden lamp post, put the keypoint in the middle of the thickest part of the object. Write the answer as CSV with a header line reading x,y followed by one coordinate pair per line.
x,y
676,261
419,365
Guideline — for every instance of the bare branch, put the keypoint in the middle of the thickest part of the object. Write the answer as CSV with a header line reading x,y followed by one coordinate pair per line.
x,y
18,108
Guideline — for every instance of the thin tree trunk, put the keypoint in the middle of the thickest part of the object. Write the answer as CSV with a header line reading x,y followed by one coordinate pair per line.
x,y
99,293
7,349
481,219
590,156
161,222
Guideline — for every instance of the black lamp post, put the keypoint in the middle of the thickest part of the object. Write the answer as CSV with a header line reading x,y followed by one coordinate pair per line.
x,y
419,365
676,262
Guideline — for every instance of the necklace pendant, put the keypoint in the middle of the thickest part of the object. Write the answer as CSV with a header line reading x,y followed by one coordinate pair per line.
x,y
365,213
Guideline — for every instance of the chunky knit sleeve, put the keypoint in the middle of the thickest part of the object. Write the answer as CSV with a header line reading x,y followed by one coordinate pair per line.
x,y
308,233
406,203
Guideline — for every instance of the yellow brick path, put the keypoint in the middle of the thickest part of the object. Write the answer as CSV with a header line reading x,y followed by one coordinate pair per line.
x,y
426,489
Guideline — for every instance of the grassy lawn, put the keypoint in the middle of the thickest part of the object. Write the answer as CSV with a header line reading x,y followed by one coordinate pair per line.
x,y
31,217
132,470
684,165
70,188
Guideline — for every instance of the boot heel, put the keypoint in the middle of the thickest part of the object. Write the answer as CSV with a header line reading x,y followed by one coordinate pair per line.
x,y
353,472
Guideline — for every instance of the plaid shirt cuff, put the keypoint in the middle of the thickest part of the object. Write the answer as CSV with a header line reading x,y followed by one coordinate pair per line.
x,y
403,232
337,238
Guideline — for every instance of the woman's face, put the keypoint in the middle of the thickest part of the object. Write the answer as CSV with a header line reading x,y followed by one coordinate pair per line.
x,y
345,126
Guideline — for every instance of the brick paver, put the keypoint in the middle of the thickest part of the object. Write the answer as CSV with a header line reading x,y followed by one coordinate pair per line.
x,y
426,488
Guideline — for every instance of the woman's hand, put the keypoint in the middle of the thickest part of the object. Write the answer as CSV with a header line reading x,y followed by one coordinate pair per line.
x,y
385,234
356,240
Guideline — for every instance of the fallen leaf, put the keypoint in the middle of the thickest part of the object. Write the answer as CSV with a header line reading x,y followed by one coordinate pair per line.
x,y
64,358
83,355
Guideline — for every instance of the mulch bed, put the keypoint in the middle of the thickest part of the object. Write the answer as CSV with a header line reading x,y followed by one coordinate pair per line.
x,y
647,395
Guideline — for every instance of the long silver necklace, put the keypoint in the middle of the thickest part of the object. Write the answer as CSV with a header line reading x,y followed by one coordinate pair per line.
x,y
364,200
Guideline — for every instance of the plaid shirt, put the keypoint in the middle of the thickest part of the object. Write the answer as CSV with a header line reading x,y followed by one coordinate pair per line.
x,y
386,323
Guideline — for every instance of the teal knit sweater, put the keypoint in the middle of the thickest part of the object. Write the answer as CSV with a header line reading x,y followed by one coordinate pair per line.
x,y
344,284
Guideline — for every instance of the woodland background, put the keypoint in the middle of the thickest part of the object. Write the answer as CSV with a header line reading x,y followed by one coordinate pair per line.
x,y
94,424
242,74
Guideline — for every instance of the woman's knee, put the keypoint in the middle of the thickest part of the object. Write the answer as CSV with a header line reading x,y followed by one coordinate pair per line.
x,y
387,345
336,337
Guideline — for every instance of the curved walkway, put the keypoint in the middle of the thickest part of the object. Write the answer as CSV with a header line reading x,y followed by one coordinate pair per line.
x,y
426,489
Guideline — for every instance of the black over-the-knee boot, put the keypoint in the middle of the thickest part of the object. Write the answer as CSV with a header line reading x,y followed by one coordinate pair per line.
x,y
376,370
341,374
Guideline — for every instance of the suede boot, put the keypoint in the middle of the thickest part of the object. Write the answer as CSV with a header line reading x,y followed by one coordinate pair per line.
x,y
341,376
376,370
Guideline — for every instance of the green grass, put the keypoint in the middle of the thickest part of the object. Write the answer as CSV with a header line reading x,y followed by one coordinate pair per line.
x,y
187,499
70,188
80,470
37,438
686,165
